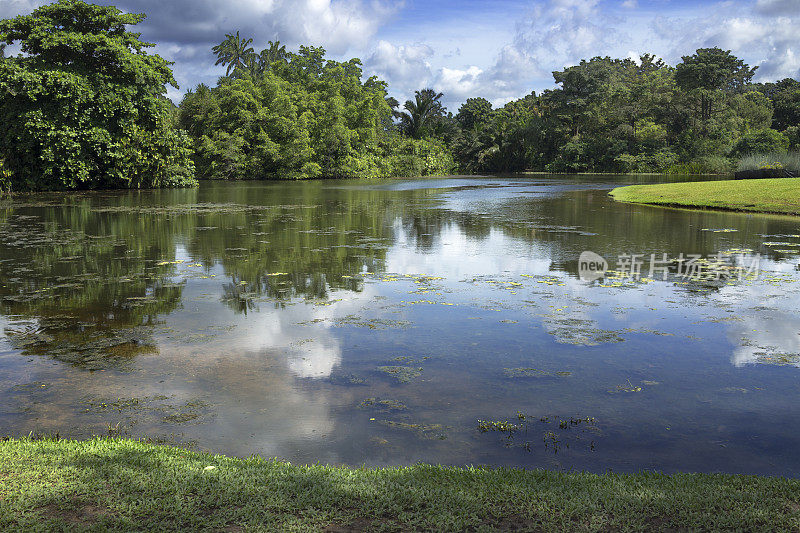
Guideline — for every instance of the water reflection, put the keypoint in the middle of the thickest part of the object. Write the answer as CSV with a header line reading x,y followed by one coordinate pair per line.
x,y
283,319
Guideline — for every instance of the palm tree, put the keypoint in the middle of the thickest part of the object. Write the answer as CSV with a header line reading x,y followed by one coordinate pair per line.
x,y
274,52
393,104
420,114
234,52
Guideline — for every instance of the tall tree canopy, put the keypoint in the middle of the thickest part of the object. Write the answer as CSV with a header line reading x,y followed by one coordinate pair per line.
x,y
235,53
303,117
422,113
84,105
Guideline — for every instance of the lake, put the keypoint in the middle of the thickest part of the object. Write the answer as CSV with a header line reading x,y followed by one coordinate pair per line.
x,y
396,321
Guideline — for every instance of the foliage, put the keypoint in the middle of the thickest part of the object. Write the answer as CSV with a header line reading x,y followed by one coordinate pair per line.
x,y
423,114
300,116
761,142
83,106
474,113
234,52
759,161
625,115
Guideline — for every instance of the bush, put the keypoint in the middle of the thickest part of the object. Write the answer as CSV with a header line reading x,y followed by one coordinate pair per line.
x,y
788,161
704,165
5,179
761,142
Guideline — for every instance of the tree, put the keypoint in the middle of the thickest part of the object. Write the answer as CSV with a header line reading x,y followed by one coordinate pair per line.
x,y
272,53
785,97
422,113
305,117
474,112
234,52
761,142
84,105
712,70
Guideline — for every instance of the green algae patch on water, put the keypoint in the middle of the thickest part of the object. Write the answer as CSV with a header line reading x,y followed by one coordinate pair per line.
x,y
401,374
383,405
534,373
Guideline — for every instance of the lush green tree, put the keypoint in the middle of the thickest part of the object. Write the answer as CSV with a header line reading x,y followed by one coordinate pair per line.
x,y
235,53
84,105
422,114
304,117
764,141
785,98
474,113
272,53
626,115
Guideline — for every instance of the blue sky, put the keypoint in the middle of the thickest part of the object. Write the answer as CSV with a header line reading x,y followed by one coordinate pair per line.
x,y
498,49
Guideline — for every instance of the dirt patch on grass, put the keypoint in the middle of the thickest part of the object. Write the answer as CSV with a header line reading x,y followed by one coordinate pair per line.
x,y
357,525
75,512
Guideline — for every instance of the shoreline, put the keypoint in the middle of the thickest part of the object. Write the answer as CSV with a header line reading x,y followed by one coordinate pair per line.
x,y
121,484
771,196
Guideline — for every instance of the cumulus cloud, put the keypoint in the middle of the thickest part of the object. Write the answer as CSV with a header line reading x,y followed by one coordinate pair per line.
x,y
764,33
457,55
185,30
778,7
405,65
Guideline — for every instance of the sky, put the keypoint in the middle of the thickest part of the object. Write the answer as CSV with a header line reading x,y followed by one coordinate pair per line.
x,y
497,49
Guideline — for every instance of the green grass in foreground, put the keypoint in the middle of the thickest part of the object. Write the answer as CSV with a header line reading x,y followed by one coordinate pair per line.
x,y
114,484
780,195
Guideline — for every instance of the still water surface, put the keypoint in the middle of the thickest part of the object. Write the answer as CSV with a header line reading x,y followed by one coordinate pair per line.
x,y
377,322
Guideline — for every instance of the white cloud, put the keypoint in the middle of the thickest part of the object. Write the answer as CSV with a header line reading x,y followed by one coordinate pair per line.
x,y
406,66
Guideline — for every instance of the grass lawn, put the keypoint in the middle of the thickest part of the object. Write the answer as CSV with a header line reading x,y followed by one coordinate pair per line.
x,y
781,195
116,484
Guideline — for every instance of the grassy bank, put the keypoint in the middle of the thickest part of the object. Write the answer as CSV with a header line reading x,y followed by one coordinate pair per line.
x,y
781,195
127,485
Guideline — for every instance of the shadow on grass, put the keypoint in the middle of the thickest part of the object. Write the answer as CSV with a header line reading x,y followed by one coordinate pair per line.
x,y
107,484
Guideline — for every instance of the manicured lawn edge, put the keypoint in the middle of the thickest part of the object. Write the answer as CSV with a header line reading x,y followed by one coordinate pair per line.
x,y
116,484
776,196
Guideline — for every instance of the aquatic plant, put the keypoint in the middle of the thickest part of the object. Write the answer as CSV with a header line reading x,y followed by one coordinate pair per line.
x,y
402,374
788,161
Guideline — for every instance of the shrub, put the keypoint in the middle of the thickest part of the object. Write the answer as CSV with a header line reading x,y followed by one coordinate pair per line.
x,y
788,161
761,142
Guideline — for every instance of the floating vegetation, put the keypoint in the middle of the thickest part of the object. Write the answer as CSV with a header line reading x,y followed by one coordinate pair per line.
x,y
401,374
372,323
92,349
135,407
425,431
734,390
580,332
625,388
347,379
382,405
776,357
533,373
556,432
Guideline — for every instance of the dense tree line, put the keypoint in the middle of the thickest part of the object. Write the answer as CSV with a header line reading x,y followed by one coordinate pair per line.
x,y
281,115
621,115
84,106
